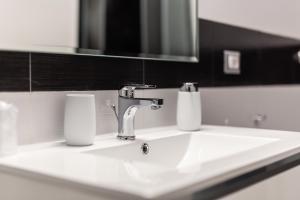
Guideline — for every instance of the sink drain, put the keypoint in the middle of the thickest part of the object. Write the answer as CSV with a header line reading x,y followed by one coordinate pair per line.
x,y
145,148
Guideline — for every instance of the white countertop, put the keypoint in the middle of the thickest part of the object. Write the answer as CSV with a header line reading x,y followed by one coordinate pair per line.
x,y
73,166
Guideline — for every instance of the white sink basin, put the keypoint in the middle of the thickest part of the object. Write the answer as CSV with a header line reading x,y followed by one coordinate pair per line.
x,y
183,150
177,164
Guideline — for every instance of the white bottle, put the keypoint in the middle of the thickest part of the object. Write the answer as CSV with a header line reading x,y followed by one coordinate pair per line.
x,y
189,108
8,129
80,119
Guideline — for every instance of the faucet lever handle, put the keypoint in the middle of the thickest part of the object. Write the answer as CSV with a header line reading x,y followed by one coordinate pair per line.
x,y
128,90
141,86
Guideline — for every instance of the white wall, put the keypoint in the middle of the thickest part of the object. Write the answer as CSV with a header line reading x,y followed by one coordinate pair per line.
x,y
237,106
38,22
273,16
58,19
41,113
40,117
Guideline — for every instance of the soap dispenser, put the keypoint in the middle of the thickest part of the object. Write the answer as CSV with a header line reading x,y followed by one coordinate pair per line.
x,y
189,107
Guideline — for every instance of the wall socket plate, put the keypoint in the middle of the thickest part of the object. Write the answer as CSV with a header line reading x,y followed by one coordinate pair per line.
x,y
232,62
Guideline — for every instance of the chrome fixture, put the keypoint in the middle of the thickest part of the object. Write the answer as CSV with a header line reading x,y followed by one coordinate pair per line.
x,y
189,87
127,107
258,119
145,148
297,57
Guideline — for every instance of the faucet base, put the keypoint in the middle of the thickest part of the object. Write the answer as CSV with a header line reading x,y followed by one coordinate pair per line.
x,y
126,137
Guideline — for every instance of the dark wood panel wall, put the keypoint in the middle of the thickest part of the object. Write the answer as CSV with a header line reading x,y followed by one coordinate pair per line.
x,y
266,59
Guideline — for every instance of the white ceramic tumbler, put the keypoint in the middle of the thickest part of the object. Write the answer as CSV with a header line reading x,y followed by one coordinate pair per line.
x,y
189,108
80,119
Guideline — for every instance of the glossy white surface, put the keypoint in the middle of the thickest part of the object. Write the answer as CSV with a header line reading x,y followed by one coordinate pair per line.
x,y
80,119
179,163
182,150
189,112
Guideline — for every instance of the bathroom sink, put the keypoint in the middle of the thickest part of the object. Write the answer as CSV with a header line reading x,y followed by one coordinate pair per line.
x,y
162,163
182,150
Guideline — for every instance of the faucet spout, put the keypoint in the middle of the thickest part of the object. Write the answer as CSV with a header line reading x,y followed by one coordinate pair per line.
x,y
153,103
127,108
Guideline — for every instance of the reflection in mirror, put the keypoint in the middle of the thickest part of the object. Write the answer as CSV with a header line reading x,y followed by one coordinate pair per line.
x,y
153,29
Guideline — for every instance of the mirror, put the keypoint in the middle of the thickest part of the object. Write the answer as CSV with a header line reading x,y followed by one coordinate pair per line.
x,y
147,29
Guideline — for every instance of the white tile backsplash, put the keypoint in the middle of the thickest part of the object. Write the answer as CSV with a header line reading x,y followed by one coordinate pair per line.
x,y
23,102
41,113
239,105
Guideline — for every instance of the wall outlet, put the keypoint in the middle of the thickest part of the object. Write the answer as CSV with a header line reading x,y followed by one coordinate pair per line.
x,y
232,62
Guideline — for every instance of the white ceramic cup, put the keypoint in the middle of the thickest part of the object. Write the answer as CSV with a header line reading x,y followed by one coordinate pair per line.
x,y
80,119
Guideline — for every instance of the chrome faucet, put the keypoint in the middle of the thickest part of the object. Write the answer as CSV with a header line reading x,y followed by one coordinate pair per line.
x,y
127,107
